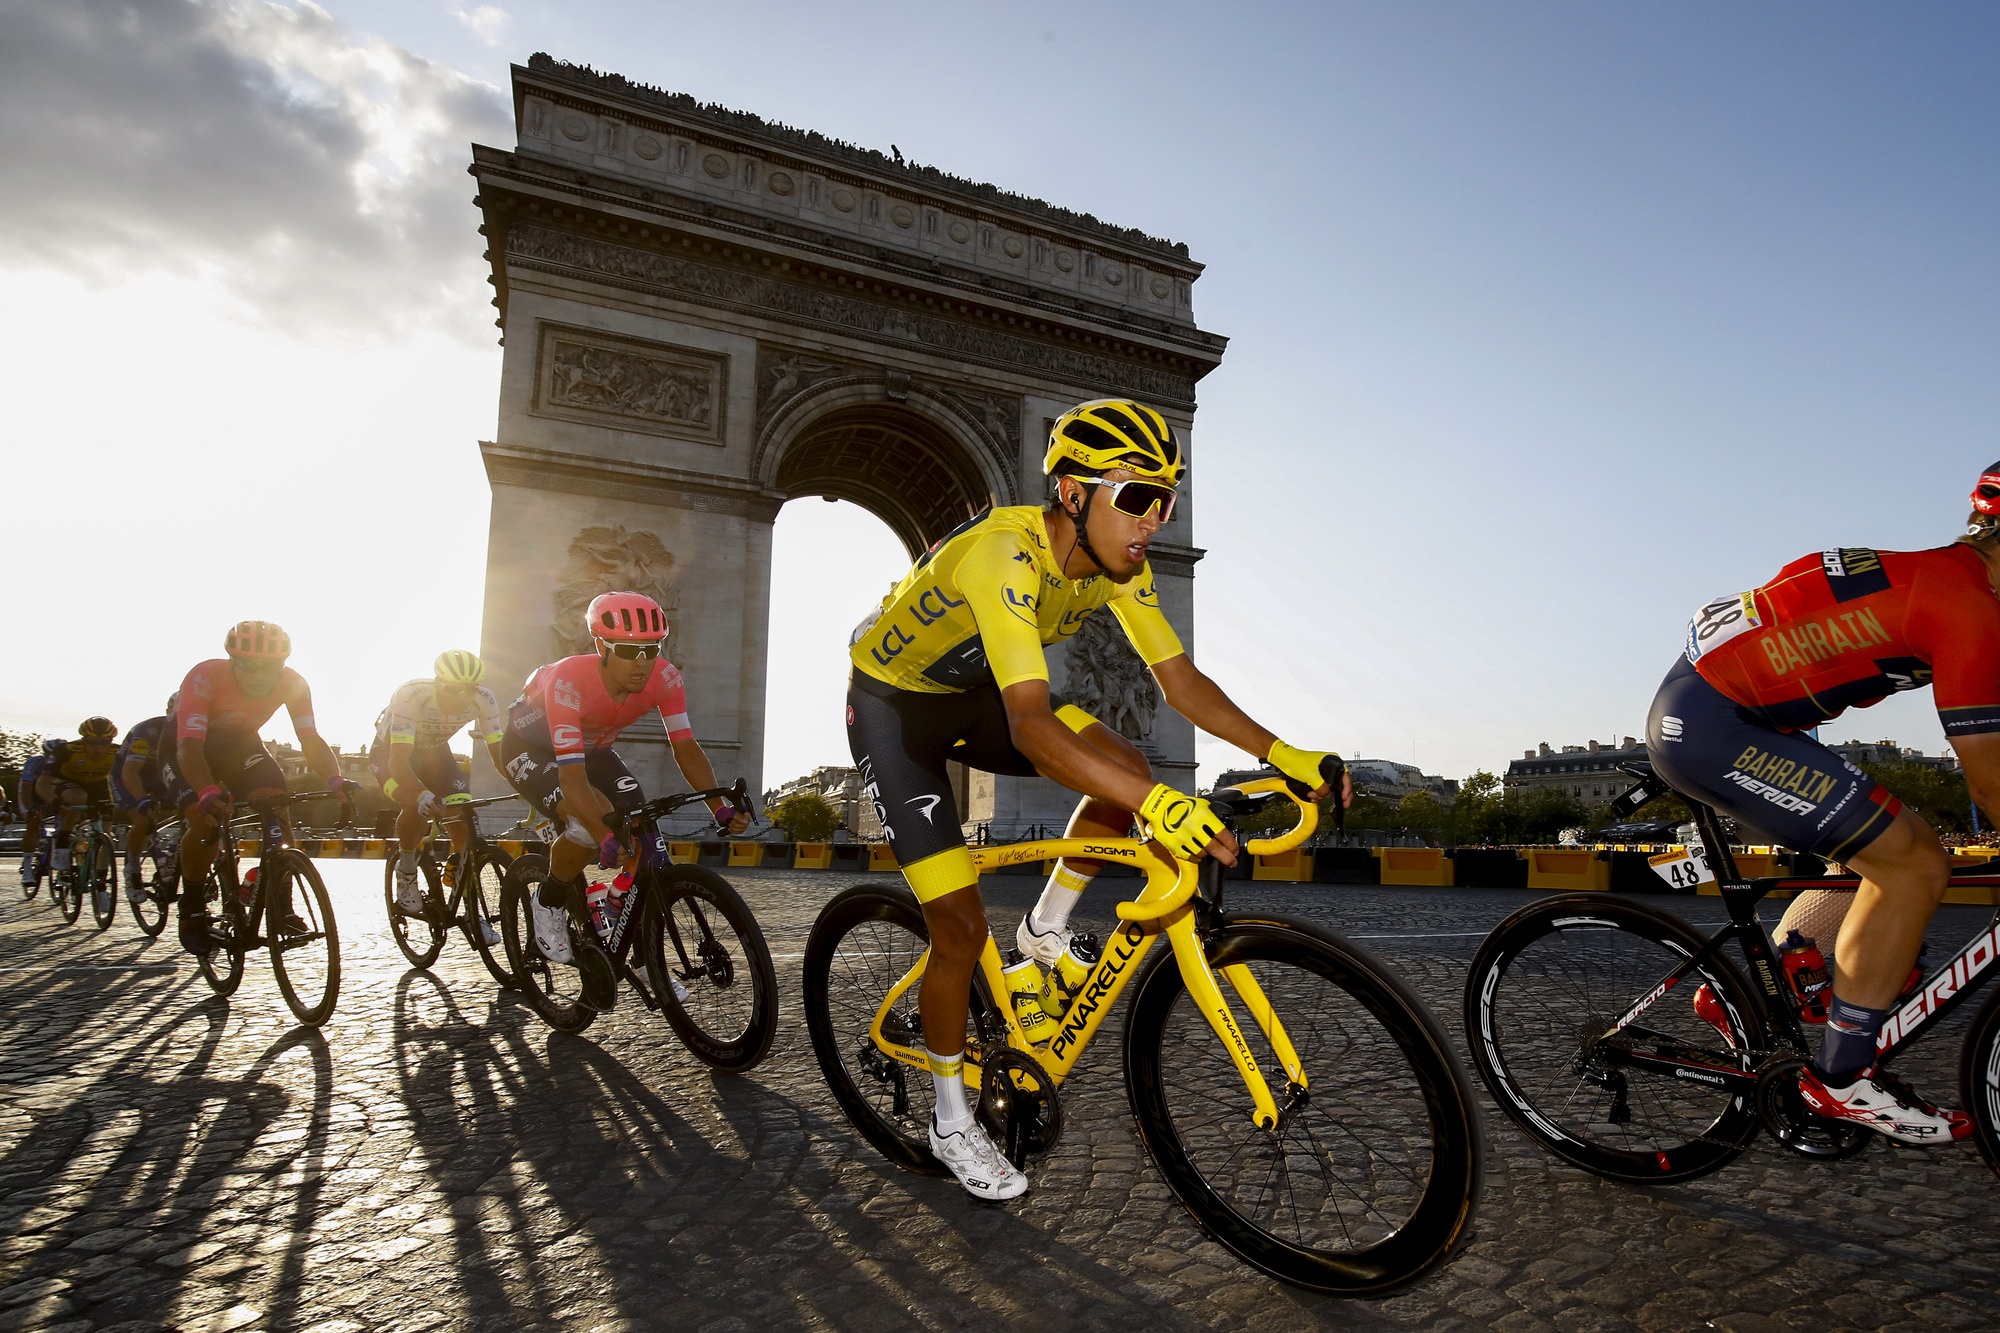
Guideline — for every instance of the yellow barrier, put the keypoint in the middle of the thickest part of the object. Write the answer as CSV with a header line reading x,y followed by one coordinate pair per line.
x,y
1425,866
1567,868
813,856
1293,867
746,855
881,857
684,853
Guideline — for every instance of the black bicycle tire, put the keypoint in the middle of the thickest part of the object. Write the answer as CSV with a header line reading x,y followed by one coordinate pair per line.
x,y
1440,1222
517,929
103,870
68,889
279,868
401,924
472,903
748,1050
150,863
1979,1079
236,928
1726,1138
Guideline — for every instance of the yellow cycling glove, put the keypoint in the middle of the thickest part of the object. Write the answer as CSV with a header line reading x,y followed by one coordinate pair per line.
x,y
1186,824
1299,765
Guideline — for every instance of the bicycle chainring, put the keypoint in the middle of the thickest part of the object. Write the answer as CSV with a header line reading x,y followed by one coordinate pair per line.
x,y
1787,1118
1018,1106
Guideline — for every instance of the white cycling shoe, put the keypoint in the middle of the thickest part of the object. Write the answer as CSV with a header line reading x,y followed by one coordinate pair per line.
x,y
1042,946
1884,1103
487,933
551,929
979,1166
408,896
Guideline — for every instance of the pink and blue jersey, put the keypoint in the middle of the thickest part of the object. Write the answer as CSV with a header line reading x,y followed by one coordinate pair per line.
x,y
565,710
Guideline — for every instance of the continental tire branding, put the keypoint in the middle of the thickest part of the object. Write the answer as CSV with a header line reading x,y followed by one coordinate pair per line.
x,y
1126,945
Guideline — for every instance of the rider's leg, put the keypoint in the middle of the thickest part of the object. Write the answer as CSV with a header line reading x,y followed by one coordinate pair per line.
x,y
72,808
957,924
576,849
1904,872
1093,818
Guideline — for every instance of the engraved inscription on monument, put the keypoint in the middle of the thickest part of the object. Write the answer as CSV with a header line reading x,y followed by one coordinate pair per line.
x,y
589,376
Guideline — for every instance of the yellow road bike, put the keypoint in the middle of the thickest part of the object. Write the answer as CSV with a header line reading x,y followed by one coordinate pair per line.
x,y
1301,1102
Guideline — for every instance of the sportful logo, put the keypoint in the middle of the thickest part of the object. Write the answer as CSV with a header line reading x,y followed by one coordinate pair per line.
x,y
1670,728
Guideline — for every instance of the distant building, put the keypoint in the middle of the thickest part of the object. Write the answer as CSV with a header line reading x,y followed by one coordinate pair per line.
x,y
842,789
1383,778
1589,772
1888,752
353,764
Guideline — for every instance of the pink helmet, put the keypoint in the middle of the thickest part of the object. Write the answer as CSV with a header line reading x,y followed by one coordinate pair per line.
x,y
258,639
625,617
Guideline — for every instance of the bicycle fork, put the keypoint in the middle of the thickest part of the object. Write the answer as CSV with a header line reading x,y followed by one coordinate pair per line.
x,y
1207,995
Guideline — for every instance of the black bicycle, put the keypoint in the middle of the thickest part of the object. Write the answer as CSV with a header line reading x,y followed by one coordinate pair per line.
x,y
282,895
1578,1009
463,891
706,966
35,849
92,869
159,877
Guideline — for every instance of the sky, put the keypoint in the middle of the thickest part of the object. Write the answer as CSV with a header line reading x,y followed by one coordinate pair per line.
x,y
1549,322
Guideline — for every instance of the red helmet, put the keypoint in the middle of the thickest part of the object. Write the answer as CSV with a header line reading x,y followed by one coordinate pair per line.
x,y
258,638
625,617
1986,494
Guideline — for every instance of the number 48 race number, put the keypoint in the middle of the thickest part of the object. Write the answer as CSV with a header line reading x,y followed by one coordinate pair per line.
x,y
1684,869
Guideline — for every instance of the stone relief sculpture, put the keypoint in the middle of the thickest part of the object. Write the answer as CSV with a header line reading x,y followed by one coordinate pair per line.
x,y
783,374
1108,681
604,379
614,559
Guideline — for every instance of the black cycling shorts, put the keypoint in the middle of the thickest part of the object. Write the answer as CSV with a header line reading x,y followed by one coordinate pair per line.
x,y
901,741
1784,784
534,773
435,766
237,761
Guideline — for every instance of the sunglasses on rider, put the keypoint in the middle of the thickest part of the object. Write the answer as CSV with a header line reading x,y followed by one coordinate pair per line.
x,y
1137,498
633,652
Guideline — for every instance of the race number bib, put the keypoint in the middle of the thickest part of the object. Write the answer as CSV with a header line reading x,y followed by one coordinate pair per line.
x,y
1683,870
1719,622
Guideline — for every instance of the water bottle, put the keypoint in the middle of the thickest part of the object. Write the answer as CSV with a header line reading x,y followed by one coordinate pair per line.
x,y
614,898
596,896
1805,972
1066,978
1024,991
246,890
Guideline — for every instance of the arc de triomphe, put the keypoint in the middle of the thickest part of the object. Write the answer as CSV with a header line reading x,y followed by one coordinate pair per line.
x,y
705,315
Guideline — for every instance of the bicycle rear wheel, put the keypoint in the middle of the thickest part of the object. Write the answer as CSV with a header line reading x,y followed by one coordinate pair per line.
x,y
1371,1176
66,889
419,937
1543,989
482,876
702,937
1979,1079
304,940
553,990
99,876
864,942
229,927
159,875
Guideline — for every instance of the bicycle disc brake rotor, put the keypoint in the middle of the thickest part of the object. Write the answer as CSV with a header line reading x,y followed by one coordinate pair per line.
x,y
1018,1106
1787,1119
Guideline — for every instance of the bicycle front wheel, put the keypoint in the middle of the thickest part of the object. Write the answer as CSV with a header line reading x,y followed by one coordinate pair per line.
x,y
222,966
482,875
1546,986
1979,1079
1372,1173
305,942
99,875
710,968
66,889
419,937
159,872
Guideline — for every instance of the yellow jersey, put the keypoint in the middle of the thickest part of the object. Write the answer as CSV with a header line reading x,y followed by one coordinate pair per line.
x,y
983,604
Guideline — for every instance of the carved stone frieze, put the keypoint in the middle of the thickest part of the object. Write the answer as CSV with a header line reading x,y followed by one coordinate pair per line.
x,y
1109,681
544,247
997,415
613,559
787,373
586,374
783,373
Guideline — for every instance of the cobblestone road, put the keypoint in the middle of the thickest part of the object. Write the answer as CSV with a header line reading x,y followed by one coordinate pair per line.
x,y
437,1159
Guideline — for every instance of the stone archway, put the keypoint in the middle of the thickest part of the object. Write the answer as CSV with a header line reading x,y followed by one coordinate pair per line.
x,y
706,315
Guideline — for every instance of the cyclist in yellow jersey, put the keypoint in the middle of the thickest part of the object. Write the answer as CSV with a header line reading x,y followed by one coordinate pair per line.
x,y
952,669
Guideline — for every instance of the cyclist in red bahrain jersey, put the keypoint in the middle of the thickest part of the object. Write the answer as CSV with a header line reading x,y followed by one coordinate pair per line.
x,y
217,757
1846,628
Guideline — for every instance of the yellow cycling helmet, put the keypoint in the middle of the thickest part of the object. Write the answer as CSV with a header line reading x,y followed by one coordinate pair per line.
x,y
97,729
458,667
1116,432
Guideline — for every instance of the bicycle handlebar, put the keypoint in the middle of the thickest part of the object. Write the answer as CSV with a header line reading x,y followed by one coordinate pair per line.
x,y
659,807
1255,795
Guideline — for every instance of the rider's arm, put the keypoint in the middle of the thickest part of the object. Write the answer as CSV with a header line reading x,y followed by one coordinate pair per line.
x,y
400,771
1057,753
319,755
1981,756
493,753
133,774
491,727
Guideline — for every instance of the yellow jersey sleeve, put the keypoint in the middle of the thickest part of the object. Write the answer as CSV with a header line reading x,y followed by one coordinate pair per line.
x,y
1137,606
1002,583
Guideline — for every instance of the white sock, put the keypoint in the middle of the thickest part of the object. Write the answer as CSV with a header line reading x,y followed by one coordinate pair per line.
x,y
1058,900
408,860
948,1082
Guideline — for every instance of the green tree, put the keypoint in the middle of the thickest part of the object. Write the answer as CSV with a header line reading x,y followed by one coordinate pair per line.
x,y
805,817
16,748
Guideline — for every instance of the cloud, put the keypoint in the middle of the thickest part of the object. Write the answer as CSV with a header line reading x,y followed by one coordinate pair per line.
x,y
316,172
487,22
